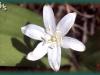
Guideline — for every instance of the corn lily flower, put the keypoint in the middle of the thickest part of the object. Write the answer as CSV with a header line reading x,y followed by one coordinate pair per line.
x,y
52,37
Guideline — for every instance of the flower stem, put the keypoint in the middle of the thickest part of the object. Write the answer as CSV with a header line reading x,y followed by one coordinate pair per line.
x,y
74,61
77,66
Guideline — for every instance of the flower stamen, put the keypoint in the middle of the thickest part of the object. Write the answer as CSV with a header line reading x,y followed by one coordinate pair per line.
x,y
49,28
58,33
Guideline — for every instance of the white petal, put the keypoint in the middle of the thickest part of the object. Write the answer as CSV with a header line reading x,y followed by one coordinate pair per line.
x,y
38,52
49,20
33,31
66,23
68,42
54,57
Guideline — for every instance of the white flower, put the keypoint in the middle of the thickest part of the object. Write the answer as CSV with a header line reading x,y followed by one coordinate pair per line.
x,y
52,37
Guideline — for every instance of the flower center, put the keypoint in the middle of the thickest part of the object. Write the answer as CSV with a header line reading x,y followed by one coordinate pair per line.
x,y
53,39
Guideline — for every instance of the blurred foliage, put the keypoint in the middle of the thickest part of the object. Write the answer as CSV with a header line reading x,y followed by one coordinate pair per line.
x,y
91,56
14,46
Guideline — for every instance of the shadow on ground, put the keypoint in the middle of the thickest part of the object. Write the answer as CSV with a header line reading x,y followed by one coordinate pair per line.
x,y
26,49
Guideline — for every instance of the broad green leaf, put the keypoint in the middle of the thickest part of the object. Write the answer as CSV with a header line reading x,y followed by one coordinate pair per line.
x,y
14,46
91,57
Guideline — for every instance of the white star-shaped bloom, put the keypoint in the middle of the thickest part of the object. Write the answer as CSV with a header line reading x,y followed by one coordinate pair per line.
x,y
52,37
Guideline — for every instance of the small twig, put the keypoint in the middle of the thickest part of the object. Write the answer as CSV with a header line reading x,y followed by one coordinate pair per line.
x,y
78,26
81,14
92,26
60,10
84,38
81,28
67,8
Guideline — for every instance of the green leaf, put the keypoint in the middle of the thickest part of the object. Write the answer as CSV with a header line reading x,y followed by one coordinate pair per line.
x,y
91,57
14,46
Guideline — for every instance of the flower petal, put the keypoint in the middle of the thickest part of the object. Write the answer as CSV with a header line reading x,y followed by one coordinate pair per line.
x,y
54,57
33,31
68,42
49,20
38,52
66,23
